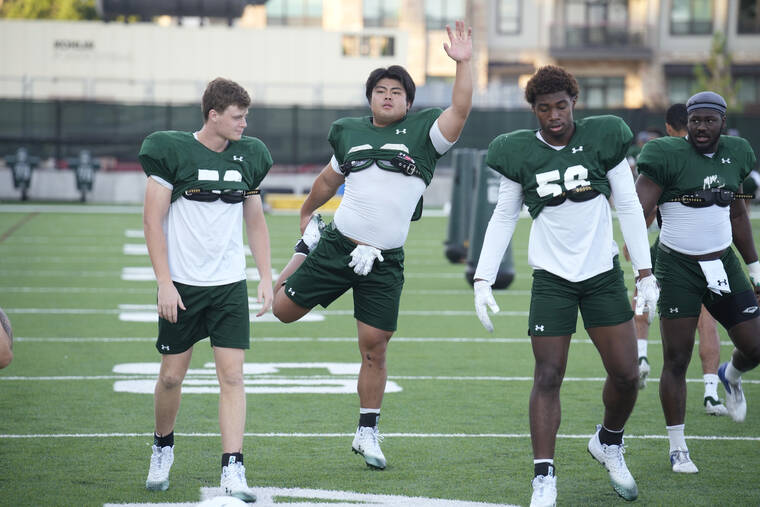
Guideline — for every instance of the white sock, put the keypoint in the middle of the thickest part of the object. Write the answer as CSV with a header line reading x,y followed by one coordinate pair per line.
x,y
642,347
732,374
677,440
711,385
369,411
543,460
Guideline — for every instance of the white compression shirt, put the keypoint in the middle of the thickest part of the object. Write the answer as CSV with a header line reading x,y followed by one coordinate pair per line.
x,y
695,231
377,205
196,233
573,240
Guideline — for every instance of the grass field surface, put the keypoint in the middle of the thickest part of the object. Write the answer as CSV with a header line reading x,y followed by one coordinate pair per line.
x,y
76,405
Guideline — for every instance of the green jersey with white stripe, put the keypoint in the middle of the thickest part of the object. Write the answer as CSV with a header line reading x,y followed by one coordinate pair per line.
x,y
186,163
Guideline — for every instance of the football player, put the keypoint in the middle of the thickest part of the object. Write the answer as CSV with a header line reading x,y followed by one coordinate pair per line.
x,y
6,340
201,187
697,181
564,172
386,161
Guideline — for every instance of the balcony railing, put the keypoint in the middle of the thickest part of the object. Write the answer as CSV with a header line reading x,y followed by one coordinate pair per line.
x,y
601,40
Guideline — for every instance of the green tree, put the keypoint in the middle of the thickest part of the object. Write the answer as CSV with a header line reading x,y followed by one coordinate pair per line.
x,y
49,9
715,74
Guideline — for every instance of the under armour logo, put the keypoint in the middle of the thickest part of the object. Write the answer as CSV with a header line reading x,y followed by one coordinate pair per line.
x,y
539,328
722,282
750,309
674,310
291,291
237,158
579,148
164,347
400,131
725,160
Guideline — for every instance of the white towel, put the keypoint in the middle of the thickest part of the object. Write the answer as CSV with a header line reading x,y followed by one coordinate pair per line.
x,y
715,273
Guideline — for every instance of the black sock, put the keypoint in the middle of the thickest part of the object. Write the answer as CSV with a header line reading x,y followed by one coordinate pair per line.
x,y
369,419
166,440
608,437
543,468
237,458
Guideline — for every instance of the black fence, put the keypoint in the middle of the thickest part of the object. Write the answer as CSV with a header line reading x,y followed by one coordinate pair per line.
x,y
295,135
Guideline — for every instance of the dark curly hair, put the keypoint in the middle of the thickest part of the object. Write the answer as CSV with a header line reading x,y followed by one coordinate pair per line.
x,y
550,79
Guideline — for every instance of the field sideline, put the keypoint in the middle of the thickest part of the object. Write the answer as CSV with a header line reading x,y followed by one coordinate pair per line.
x,y
77,401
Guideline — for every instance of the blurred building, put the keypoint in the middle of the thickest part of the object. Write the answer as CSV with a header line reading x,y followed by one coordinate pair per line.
x,y
625,53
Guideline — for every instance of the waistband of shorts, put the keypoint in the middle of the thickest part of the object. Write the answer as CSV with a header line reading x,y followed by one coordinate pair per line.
x,y
352,244
696,258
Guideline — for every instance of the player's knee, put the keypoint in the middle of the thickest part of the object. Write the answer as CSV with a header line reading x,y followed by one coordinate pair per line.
x,y
169,381
6,358
229,380
547,379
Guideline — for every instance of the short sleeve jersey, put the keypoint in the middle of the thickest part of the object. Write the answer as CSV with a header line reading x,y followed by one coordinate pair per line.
x,y
674,164
183,161
359,142
598,144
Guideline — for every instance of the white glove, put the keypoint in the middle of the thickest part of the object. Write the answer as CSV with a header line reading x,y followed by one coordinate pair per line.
x,y
648,292
363,257
754,273
483,297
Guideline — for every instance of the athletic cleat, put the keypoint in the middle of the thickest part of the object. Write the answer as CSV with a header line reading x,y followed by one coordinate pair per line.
x,y
544,491
367,443
233,482
714,407
313,231
611,456
682,463
644,370
736,403
160,463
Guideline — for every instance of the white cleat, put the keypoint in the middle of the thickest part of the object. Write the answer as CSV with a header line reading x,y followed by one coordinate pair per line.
x,y
313,231
544,491
233,482
736,403
367,443
682,463
160,463
611,456
644,370
714,407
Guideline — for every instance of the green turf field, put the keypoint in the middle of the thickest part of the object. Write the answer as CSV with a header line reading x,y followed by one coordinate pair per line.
x,y
76,404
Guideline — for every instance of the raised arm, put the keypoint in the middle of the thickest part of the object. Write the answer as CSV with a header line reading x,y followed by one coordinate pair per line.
x,y
451,122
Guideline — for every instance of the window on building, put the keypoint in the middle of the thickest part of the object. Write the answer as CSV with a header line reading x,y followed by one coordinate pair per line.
x,y
599,92
508,16
691,17
749,16
380,13
294,12
373,46
749,90
679,89
439,13
596,23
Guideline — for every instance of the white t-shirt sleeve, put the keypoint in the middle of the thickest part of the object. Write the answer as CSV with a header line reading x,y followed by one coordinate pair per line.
x,y
162,181
500,229
334,164
630,214
440,143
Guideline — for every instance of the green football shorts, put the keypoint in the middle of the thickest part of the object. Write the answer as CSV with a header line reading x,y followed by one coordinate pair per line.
x,y
219,312
554,302
683,287
324,276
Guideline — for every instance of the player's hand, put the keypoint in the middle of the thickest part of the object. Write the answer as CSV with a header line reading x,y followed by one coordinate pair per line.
x,y
363,257
168,301
265,296
483,298
460,47
647,294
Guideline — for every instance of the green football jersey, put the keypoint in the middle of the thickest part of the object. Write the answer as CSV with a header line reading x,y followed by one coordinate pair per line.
x,y
359,143
183,161
674,164
598,144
